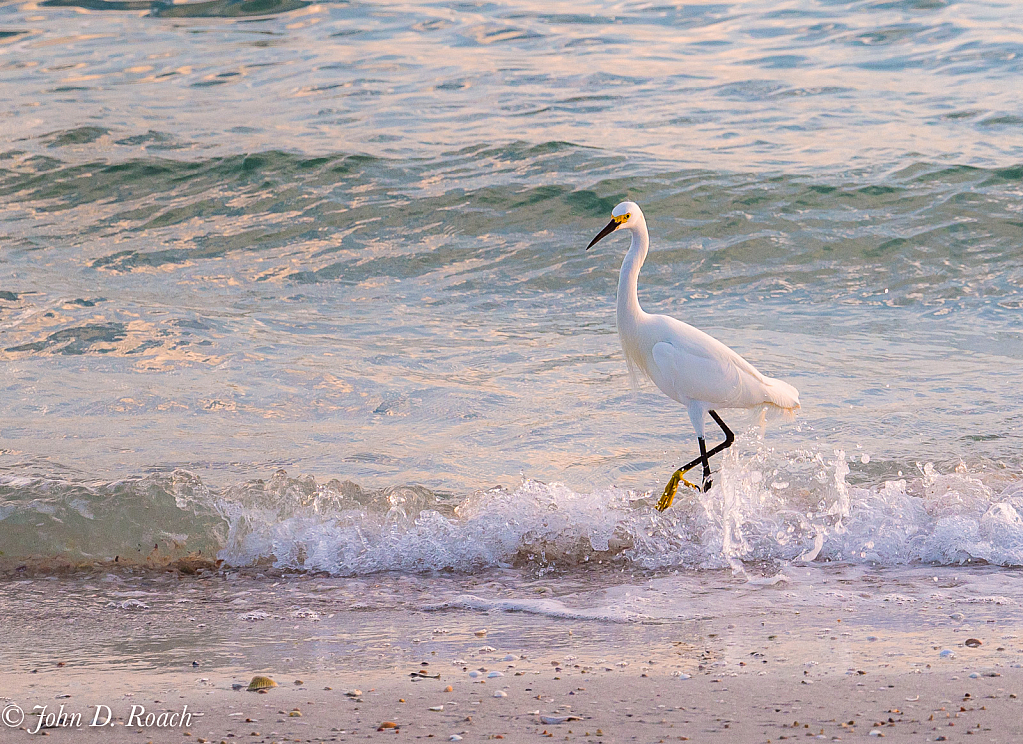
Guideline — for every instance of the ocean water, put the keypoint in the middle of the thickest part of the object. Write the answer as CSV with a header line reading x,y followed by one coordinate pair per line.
x,y
304,285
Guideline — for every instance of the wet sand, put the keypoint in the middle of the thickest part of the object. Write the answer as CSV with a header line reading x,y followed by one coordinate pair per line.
x,y
594,705
348,668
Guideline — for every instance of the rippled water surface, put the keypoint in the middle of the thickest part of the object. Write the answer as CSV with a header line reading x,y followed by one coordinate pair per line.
x,y
345,240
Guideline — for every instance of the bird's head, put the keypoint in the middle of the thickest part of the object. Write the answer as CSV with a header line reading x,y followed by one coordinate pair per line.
x,y
625,215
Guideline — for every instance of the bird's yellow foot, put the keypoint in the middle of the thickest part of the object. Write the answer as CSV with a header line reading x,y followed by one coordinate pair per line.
x,y
669,490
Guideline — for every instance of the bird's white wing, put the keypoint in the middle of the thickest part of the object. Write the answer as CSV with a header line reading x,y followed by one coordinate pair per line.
x,y
692,365
684,375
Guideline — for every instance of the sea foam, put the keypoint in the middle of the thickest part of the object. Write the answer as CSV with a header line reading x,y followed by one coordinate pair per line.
x,y
794,508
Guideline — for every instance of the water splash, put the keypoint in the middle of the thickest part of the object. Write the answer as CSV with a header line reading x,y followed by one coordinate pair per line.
x,y
765,507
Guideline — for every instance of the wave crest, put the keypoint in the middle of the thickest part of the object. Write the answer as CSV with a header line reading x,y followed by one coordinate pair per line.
x,y
764,507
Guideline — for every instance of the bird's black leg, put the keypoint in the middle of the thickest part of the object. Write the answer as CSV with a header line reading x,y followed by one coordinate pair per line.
x,y
729,436
705,455
705,458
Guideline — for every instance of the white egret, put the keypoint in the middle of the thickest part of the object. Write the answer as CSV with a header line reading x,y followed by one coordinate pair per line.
x,y
688,365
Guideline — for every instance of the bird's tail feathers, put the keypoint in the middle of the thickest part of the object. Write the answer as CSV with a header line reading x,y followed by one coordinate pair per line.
x,y
782,396
769,413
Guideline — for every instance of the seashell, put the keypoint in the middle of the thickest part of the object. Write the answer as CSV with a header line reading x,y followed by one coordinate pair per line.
x,y
261,683
387,725
129,604
558,719
973,642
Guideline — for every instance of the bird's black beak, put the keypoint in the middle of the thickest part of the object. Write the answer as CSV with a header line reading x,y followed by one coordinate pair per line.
x,y
611,227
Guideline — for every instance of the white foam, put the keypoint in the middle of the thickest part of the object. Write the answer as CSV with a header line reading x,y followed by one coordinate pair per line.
x,y
545,607
933,518
765,506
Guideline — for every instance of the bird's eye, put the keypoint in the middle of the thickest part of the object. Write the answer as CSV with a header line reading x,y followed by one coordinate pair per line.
x,y
627,216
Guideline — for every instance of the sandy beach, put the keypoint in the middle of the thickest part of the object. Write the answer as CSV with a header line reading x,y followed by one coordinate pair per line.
x,y
376,659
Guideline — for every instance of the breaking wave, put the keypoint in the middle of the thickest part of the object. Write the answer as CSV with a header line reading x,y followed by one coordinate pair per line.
x,y
764,507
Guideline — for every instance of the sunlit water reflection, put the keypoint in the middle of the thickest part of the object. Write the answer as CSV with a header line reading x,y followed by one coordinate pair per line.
x,y
346,240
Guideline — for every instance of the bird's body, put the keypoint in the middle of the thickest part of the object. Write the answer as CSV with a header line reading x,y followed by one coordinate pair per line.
x,y
688,365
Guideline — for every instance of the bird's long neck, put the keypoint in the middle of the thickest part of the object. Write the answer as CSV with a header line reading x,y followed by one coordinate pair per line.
x,y
629,310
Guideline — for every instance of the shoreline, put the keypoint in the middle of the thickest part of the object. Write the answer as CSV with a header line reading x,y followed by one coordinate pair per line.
x,y
750,665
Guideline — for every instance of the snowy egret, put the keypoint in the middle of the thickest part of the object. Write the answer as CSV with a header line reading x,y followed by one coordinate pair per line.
x,y
688,365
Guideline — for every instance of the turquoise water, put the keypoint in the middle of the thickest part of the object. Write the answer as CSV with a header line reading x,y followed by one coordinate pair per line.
x,y
345,241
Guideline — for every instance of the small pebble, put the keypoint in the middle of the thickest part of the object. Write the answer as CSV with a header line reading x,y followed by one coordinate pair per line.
x,y
436,708
454,737
480,633
449,688
387,725
354,693
947,654
500,693
495,674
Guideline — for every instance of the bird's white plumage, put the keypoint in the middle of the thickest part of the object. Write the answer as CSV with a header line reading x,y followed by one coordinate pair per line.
x,y
686,364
